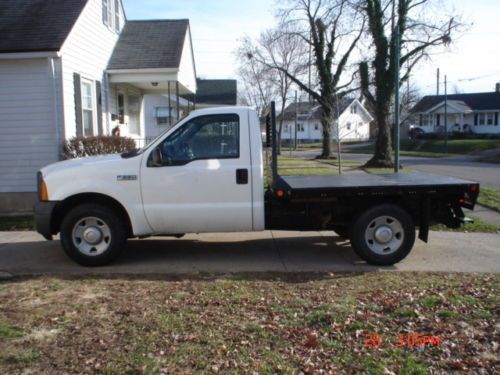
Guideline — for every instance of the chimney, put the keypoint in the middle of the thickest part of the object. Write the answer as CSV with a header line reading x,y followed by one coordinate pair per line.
x,y
498,87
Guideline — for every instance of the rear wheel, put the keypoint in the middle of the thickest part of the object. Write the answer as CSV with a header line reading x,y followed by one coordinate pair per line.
x,y
383,235
92,235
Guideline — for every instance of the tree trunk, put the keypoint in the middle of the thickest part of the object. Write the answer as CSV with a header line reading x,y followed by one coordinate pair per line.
x,y
326,125
382,157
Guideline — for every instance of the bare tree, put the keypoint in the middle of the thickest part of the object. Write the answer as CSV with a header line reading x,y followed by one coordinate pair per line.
x,y
256,80
331,28
418,33
278,47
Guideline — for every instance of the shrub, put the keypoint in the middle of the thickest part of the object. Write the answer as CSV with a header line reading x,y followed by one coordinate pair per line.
x,y
90,146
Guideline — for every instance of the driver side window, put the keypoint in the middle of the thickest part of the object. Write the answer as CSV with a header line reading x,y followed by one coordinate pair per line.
x,y
204,137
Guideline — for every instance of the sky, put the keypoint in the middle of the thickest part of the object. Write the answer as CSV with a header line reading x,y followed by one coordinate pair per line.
x,y
471,63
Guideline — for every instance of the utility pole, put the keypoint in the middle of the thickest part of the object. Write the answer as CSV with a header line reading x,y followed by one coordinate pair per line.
x,y
438,81
396,92
445,114
296,118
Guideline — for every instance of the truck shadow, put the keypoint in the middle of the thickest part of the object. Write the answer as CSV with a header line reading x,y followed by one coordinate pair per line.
x,y
296,253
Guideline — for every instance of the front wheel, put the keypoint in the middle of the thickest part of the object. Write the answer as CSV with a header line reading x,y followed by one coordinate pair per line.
x,y
92,235
383,235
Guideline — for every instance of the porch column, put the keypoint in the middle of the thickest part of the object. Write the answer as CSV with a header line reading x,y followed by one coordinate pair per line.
x,y
169,106
177,98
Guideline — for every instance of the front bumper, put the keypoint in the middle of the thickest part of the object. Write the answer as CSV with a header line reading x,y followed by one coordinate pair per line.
x,y
43,218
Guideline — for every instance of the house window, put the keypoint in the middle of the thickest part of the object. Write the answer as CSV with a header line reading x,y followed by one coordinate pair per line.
x,y
490,118
106,12
482,118
286,128
121,108
87,108
316,126
162,115
426,120
354,109
348,126
300,127
117,15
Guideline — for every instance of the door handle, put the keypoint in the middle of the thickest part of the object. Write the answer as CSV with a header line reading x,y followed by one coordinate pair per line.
x,y
242,176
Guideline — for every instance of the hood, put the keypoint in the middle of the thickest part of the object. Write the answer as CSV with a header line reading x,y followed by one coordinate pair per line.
x,y
90,161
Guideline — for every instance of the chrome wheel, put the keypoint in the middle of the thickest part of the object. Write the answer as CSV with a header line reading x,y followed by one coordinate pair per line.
x,y
384,235
91,236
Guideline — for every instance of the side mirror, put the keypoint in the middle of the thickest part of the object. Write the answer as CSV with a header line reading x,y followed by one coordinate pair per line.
x,y
156,157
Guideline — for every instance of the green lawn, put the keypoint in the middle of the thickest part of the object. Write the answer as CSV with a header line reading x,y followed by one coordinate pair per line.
x,y
489,198
251,323
436,148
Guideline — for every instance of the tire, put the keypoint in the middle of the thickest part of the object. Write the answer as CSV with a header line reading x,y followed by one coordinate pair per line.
x,y
383,235
342,231
92,235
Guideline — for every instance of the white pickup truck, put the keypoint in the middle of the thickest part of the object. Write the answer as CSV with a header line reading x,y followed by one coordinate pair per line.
x,y
206,174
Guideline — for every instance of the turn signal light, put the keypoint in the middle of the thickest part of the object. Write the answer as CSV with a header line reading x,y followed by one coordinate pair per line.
x,y
43,193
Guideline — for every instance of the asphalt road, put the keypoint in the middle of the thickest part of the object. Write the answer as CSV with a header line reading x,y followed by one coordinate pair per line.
x,y
488,174
26,253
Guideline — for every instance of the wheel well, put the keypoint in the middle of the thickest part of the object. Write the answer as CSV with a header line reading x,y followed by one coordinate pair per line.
x,y
69,203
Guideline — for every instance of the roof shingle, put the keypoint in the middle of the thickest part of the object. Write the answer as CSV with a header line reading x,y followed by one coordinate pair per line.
x,y
37,25
150,45
481,101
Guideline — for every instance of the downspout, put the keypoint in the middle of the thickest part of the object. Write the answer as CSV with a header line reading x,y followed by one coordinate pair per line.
x,y
52,68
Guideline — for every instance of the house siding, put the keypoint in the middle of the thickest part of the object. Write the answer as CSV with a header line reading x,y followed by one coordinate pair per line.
x,y
86,52
30,117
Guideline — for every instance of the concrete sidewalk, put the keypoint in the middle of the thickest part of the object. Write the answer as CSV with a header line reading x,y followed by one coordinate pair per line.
x,y
26,253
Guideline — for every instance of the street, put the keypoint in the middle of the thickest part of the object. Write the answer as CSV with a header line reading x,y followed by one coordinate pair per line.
x,y
26,253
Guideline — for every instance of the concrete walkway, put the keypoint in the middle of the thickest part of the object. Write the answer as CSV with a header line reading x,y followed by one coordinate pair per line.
x,y
26,253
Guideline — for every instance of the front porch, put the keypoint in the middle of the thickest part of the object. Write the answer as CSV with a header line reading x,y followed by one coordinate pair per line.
x,y
152,66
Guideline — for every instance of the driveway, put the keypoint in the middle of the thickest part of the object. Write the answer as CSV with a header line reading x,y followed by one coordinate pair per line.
x,y
26,253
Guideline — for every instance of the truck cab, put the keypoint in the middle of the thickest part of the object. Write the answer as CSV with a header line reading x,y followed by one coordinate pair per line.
x,y
205,174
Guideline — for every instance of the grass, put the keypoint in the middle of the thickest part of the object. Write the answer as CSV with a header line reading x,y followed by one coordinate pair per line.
x,y
247,323
16,223
436,147
478,226
489,198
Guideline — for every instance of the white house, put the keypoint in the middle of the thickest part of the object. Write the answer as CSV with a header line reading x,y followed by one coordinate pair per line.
x,y
78,67
303,120
476,113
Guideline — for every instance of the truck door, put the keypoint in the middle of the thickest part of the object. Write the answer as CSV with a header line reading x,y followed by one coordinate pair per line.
x,y
203,182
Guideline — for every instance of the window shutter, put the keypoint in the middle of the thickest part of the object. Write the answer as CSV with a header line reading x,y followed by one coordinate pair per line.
x,y
421,120
496,118
99,107
438,120
476,119
78,104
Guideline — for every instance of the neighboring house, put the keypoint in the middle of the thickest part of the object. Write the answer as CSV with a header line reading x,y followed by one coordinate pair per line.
x,y
476,113
354,122
78,68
